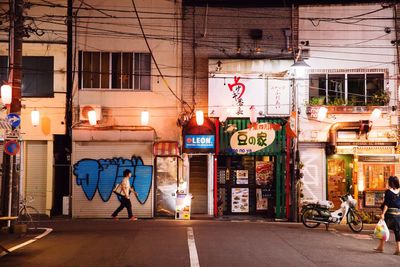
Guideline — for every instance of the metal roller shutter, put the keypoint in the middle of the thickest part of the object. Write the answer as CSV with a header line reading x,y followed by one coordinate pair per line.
x,y
198,183
36,173
97,208
314,160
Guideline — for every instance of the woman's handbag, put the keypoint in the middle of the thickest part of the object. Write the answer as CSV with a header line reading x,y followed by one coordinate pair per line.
x,y
382,231
118,190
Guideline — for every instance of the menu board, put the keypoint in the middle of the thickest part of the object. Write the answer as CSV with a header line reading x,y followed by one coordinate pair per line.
x,y
240,200
242,177
264,172
262,202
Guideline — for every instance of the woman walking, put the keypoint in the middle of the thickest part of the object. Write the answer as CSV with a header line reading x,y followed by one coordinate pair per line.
x,y
124,199
391,212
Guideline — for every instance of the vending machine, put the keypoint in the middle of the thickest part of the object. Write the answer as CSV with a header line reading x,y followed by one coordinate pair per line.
x,y
183,206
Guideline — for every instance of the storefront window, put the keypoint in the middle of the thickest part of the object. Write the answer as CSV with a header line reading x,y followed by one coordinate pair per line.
x,y
376,175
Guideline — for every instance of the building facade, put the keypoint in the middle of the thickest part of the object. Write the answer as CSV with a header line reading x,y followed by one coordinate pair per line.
x,y
348,103
127,62
44,90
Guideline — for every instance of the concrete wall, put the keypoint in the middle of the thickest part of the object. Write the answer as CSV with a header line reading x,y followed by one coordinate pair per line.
x,y
218,33
97,31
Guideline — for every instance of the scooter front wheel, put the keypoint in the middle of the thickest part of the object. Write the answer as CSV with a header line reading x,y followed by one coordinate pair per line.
x,y
307,217
355,221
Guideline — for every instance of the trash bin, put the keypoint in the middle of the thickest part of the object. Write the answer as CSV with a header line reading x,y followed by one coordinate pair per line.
x,y
183,206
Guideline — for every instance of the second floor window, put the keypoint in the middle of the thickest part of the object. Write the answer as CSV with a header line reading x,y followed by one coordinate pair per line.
x,y
351,89
37,75
114,70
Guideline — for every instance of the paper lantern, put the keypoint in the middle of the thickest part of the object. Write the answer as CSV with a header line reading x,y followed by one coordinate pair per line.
x,y
35,117
199,117
92,117
144,118
6,94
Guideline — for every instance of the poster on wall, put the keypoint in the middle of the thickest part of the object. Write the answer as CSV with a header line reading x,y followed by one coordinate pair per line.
x,y
242,177
262,202
369,198
264,172
240,200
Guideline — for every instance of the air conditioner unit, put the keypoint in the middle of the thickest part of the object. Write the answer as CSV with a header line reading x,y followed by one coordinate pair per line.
x,y
84,109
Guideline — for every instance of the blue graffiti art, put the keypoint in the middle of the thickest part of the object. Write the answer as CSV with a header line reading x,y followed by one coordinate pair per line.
x,y
104,174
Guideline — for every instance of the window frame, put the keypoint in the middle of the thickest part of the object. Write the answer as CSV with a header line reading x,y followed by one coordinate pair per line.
x,y
35,70
385,177
325,75
118,69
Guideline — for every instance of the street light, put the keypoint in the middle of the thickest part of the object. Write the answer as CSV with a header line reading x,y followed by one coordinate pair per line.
x,y
298,73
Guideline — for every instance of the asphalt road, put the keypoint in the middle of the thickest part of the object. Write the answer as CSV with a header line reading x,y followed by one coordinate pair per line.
x,y
206,242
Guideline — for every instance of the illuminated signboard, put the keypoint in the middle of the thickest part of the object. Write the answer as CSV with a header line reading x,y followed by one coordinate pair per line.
x,y
199,141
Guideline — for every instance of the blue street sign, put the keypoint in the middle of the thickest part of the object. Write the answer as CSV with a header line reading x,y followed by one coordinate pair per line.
x,y
199,141
11,147
14,120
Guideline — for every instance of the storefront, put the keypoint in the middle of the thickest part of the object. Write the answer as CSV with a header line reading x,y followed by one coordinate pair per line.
x,y
251,168
198,172
168,177
99,159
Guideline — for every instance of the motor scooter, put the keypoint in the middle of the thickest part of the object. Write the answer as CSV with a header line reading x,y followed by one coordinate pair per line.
x,y
315,213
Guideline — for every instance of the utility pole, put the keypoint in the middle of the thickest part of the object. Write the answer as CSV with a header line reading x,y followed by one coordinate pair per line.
x,y
15,75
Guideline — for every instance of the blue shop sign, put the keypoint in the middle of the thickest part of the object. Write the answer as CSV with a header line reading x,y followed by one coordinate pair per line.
x,y
199,141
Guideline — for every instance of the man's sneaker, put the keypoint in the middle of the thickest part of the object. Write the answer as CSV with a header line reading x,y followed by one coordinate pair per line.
x,y
115,218
133,219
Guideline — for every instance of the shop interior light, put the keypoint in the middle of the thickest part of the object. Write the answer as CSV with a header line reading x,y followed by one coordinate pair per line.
x,y
376,114
35,117
6,94
322,113
92,117
144,118
199,117
360,183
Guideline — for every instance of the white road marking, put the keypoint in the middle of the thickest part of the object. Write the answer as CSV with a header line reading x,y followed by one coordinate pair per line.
x,y
194,259
46,232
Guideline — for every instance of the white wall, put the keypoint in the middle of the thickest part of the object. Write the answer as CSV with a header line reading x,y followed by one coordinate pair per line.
x,y
342,38
123,34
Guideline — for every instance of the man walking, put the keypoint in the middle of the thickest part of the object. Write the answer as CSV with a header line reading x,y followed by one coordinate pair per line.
x,y
124,199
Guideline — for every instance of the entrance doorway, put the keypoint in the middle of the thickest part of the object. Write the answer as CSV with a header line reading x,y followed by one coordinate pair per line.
x,y
198,183
339,177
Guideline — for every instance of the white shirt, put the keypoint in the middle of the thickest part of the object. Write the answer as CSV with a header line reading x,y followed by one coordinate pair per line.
x,y
126,186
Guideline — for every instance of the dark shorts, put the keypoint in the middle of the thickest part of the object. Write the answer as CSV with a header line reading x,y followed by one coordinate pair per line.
x,y
392,220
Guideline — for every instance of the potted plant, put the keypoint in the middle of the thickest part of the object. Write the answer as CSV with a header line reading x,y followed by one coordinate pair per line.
x,y
380,98
317,101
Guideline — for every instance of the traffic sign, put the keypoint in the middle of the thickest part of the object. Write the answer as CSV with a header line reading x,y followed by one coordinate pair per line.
x,y
11,147
14,119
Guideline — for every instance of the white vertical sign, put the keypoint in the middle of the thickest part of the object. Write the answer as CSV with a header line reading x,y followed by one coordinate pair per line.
x,y
279,97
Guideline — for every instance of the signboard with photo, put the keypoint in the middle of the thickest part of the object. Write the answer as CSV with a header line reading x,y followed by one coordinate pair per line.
x,y
240,200
242,177
264,172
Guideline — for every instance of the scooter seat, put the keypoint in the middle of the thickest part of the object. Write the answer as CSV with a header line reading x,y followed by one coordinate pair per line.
x,y
326,204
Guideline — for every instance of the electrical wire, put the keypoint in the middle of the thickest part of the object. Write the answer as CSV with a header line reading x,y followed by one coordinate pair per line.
x,y
154,60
